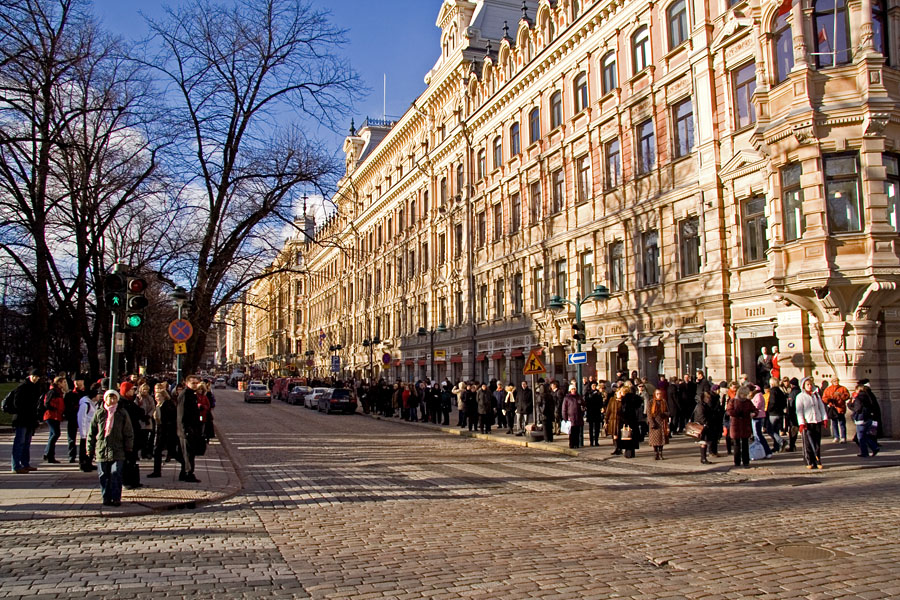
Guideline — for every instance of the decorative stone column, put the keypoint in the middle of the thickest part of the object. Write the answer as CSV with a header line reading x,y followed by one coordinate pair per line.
x,y
800,57
866,32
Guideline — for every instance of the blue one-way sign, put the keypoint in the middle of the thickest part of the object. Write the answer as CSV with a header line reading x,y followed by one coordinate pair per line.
x,y
577,358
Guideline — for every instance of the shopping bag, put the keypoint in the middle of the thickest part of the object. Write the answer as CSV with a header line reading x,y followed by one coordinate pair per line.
x,y
565,427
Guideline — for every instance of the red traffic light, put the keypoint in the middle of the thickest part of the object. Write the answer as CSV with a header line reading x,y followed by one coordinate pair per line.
x,y
136,285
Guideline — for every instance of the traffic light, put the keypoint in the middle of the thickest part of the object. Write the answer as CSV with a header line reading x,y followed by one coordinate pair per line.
x,y
135,302
114,291
579,329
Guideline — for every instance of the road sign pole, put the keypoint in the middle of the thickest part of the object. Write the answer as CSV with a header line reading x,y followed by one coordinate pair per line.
x,y
178,356
578,344
113,363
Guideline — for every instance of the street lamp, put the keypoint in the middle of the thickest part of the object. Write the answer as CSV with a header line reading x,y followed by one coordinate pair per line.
x,y
370,344
558,303
179,296
423,332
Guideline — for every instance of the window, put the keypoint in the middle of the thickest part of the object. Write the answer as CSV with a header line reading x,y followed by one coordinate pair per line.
x,y
683,115
481,165
515,217
650,257
842,193
498,152
587,273
880,30
460,182
646,147
412,264
481,228
517,294
442,249
443,311
792,202
561,278
640,49
831,20
499,299
534,125
425,206
401,222
558,180
583,171
556,114
608,72
413,215
482,302
459,307
784,44
444,191
538,282
458,240
424,255
514,148
399,269
581,92
689,241
755,242
378,235
891,189
613,153
536,202
377,281
387,275
678,23
498,222
617,266
744,86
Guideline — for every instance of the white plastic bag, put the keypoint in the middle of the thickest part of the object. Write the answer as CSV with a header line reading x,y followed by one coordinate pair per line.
x,y
757,452
565,427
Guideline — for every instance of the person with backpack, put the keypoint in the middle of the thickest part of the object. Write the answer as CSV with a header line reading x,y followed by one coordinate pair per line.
x,y
54,409
23,403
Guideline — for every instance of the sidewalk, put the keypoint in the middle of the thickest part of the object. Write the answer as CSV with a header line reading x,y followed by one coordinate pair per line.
x,y
682,455
62,490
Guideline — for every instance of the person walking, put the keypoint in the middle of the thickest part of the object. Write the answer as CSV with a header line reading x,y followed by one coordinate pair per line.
x,y
812,416
704,414
558,396
87,408
72,401
594,406
630,416
835,397
25,401
54,410
776,407
188,428
165,418
792,389
573,412
111,439
741,410
613,416
861,409
760,422
658,422
524,407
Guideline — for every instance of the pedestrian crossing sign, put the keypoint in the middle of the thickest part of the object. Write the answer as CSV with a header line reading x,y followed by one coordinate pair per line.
x,y
534,365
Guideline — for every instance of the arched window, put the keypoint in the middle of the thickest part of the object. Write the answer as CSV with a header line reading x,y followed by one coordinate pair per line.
x,y
443,191
576,8
581,92
498,152
482,169
640,49
880,29
784,45
677,18
556,115
459,178
608,72
831,20
534,125
514,145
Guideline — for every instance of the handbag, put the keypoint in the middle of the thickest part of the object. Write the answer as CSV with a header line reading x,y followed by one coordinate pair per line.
x,y
694,429
626,433
565,427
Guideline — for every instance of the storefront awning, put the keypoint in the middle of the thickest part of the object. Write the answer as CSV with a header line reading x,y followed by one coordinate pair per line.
x,y
610,345
456,358
409,362
648,341
756,331
497,355
481,357
398,362
422,362
517,353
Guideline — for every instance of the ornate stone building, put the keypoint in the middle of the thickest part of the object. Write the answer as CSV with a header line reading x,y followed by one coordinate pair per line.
x,y
727,169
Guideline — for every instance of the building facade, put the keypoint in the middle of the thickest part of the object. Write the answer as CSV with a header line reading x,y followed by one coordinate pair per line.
x,y
726,169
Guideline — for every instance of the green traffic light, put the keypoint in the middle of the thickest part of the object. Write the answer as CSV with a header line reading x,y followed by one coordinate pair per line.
x,y
134,321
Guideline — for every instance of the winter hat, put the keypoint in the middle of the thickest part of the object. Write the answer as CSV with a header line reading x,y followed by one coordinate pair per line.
x,y
125,387
714,388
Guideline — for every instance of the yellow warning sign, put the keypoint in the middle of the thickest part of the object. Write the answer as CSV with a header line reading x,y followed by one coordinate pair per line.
x,y
180,348
534,365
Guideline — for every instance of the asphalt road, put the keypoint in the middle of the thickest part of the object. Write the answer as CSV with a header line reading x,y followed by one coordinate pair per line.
x,y
345,506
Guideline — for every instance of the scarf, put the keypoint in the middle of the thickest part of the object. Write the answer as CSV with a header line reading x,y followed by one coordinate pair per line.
x,y
110,413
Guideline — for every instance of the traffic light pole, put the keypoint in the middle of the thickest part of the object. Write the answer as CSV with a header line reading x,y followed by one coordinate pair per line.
x,y
578,343
113,356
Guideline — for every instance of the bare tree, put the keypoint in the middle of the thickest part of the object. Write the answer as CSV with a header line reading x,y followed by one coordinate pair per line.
x,y
239,71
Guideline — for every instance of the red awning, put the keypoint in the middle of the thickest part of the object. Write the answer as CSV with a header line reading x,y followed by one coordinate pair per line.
x,y
497,355
517,353
410,362
456,358
481,357
398,362
421,362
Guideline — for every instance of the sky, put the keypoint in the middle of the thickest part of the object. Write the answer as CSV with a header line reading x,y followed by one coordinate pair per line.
x,y
393,38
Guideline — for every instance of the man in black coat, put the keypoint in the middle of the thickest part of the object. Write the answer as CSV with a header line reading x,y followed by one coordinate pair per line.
x,y
26,399
524,406
189,430
548,411
70,414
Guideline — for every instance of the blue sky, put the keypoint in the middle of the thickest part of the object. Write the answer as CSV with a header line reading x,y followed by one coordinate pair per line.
x,y
396,38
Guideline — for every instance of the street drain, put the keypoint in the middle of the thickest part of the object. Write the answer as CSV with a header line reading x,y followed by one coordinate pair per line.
x,y
805,552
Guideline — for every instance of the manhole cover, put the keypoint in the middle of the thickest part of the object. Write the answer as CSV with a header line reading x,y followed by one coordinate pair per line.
x,y
805,552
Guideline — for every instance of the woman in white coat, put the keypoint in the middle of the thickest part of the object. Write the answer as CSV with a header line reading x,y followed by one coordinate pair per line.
x,y
812,418
87,406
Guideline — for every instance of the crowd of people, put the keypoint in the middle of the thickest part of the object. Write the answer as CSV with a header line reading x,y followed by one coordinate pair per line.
x,y
111,430
632,410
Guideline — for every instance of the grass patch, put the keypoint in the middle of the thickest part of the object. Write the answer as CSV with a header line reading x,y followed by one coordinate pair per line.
x,y
5,388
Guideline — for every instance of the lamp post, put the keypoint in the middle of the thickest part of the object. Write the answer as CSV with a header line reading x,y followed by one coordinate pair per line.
x,y
179,296
423,332
370,344
558,303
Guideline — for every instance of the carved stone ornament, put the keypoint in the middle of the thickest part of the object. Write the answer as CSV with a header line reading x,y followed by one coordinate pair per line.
x,y
805,134
876,124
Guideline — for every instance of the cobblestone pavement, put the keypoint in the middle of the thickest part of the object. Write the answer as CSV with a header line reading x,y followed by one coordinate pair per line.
x,y
338,506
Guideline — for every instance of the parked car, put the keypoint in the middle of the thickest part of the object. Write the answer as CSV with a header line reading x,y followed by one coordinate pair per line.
x,y
311,400
298,394
340,399
257,393
219,383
